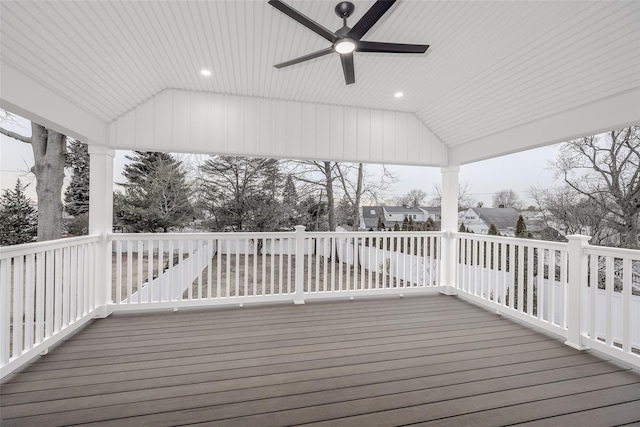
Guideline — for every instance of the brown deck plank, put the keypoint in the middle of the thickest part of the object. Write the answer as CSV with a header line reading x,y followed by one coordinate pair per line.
x,y
347,363
263,342
303,368
613,415
402,407
209,338
290,382
546,411
299,395
129,359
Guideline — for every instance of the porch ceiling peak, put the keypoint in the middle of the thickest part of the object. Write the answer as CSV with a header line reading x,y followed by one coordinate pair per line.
x,y
177,120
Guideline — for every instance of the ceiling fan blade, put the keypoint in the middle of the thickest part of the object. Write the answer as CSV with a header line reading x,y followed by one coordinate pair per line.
x,y
347,68
305,57
369,19
307,22
364,46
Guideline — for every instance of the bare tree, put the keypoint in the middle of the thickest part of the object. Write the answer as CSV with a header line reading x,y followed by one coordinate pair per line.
x,y
465,196
565,209
350,180
357,182
412,198
506,199
317,178
49,153
606,169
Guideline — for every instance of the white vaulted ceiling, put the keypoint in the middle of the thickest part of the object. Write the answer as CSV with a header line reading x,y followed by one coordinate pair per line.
x,y
495,73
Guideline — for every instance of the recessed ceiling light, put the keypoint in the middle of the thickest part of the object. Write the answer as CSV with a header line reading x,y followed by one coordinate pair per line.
x,y
205,72
398,95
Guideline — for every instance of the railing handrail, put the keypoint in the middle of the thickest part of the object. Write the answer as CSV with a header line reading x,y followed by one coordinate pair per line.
x,y
267,234
365,234
546,244
615,252
195,236
33,247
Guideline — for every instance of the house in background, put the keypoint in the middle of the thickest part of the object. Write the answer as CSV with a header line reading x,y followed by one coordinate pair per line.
x,y
539,227
433,212
392,215
369,217
479,220
397,214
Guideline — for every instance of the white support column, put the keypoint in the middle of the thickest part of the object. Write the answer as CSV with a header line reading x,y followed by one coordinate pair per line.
x,y
101,220
298,296
576,299
449,225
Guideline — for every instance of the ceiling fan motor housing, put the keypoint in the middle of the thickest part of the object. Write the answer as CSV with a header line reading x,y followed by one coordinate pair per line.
x,y
344,9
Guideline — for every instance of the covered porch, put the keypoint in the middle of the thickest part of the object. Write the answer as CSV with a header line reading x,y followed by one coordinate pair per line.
x,y
313,355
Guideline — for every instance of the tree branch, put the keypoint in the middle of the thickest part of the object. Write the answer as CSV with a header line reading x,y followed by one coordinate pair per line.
x,y
15,136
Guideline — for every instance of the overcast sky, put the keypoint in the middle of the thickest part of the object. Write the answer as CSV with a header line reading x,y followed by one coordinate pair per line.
x,y
517,171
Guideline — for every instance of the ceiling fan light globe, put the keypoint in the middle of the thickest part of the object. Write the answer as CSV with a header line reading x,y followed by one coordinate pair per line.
x,y
344,46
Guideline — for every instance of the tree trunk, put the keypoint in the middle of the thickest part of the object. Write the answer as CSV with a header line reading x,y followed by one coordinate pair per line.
x,y
49,152
356,202
631,231
330,202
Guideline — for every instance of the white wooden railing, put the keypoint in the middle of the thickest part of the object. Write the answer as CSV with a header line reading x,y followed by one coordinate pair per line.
x,y
580,292
610,296
527,277
47,291
177,270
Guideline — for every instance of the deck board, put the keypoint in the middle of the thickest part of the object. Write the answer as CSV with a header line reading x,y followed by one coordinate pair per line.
x,y
432,360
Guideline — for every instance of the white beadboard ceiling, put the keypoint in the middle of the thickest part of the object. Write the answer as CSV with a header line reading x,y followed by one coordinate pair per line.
x,y
493,66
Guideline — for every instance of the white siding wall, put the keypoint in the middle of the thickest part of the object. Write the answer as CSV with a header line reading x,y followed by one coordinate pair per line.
x,y
473,222
199,122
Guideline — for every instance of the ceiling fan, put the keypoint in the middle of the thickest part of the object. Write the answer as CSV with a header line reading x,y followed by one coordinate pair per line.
x,y
345,41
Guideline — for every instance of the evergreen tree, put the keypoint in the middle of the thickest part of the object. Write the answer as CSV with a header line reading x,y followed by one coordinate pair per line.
x,y
156,196
344,212
381,226
18,219
429,225
405,224
462,228
396,227
290,204
521,228
289,192
76,196
493,231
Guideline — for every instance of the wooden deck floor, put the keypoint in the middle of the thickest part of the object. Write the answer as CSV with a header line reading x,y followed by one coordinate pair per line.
x,y
432,360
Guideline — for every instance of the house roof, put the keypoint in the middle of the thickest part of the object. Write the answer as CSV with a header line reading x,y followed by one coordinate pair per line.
x,y
377,211
432,209
371,219
518,74
402,210
502,218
